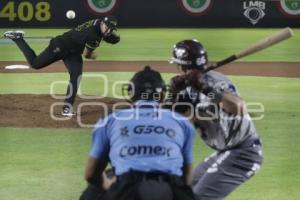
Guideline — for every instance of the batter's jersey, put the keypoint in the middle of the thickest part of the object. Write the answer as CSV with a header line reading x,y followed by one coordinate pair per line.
x,y
144,138
86,35
224,130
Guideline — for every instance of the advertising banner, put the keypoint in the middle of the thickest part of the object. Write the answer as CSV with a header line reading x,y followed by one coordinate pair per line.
x,y
154,13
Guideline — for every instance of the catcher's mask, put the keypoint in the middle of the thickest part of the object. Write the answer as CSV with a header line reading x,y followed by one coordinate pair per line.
x,y
189,54
111,22
145,85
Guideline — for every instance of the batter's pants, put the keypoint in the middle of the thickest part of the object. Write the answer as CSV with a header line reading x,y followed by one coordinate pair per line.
x,y
222,172
54,52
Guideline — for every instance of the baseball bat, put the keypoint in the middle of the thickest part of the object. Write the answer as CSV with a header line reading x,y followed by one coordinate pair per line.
x,y
258,46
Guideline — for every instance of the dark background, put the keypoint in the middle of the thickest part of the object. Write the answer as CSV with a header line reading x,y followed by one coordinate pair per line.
x,y
154,13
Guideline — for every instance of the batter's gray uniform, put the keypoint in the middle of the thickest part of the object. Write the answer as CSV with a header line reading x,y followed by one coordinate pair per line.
x,y
238,153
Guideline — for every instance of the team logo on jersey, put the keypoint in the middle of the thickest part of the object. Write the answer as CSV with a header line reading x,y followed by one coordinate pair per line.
x,y
195,7
290,8
56,50
124,132
100,7
151,129
145,150
254,10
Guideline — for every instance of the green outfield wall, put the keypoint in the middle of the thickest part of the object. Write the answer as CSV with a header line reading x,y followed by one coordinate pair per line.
x,y
154,13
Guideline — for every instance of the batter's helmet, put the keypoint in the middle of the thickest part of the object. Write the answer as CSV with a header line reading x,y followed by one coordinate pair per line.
x,y
146,84
110,22
190,54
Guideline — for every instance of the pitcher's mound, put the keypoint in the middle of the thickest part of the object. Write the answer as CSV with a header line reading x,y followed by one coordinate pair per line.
x,y
27,110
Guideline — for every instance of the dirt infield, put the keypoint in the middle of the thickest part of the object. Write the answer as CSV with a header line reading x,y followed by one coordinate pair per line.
x,y
275,69
35,110
24,110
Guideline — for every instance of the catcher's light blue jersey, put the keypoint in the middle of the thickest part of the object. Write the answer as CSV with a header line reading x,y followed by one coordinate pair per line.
x,y
144,138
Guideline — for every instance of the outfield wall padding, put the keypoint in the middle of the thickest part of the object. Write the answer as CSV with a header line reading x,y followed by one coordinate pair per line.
x,y
153,13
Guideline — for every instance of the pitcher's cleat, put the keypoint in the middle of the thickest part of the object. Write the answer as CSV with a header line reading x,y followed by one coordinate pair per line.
x,y
68,112
13,35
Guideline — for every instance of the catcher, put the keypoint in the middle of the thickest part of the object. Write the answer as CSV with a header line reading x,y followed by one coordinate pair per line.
x,y
69,47
150,148
222,119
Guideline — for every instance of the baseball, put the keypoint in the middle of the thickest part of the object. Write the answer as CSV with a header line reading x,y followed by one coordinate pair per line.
x,y
70,14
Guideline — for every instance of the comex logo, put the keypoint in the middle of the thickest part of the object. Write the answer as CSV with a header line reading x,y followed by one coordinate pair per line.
x,y
254,10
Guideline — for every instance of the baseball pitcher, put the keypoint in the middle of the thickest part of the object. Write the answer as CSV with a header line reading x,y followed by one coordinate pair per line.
x,y
69,47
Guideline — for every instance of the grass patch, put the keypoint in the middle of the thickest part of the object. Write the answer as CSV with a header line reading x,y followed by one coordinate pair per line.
x,y
49,163
42,163
156,44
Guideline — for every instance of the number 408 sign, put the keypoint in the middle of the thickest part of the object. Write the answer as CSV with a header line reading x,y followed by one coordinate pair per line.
x,y
25,11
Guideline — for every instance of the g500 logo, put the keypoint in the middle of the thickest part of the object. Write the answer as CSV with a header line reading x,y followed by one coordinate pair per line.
x,y
254,10
290,8
100,7
195,7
